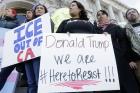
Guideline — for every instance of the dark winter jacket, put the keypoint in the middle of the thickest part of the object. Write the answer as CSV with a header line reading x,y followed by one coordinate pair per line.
x,y
76,26
119,41
118,38
9,22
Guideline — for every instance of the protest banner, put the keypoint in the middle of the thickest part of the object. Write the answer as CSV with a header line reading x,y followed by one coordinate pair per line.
x,y
77,62
2,34
23,43
11,82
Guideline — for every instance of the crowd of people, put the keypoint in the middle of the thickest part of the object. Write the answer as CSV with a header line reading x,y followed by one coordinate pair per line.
x,y
126,43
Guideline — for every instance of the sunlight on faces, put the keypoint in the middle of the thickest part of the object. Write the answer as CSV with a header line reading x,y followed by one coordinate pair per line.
x,y
102,17
9,12
74,10
132,15
29,14
40,10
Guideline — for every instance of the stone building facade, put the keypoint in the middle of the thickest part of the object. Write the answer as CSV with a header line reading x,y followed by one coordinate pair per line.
x,y
115,9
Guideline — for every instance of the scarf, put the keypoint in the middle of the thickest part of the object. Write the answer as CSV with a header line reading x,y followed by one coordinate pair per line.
x,y
104,24
134,38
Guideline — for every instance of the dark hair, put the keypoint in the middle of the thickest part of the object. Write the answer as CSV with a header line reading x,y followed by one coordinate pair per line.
x,y
103,12
29,10
129,10
83,13
46,10
27,20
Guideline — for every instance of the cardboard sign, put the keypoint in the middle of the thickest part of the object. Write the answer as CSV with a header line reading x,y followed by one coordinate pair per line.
x,y
75,63
11,82
23,43
2,35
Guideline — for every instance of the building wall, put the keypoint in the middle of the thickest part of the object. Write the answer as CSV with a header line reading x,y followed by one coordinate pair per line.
x,y
115,9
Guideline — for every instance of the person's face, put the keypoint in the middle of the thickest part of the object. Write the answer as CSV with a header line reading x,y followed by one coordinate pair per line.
x,y
9,13
29,15
132,15
40,10
74,10
101,16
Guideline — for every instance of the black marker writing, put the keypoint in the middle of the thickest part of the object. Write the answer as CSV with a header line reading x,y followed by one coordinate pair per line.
x,y
62,59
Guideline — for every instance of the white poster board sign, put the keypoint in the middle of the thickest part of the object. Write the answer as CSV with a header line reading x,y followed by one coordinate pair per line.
x,y
11,82
2,34
24,42
75,63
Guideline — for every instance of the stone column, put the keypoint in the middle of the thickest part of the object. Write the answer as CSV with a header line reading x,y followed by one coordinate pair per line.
x,y
98,5
111,13
121,16
36,1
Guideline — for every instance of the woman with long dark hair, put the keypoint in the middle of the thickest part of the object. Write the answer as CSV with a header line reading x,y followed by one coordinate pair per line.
x,y
29,15
79,23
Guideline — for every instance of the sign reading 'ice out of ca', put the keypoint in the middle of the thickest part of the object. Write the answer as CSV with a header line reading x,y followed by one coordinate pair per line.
x,y
24,42
79,62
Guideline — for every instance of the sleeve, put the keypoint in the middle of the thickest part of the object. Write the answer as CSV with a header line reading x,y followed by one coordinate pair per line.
x,y
95,28
52,26
123,42
125,45
11,24
61,27
129,50
2,23
132,56
8,24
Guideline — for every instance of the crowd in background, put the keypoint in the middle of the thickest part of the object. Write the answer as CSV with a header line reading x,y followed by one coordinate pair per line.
x,y
126,43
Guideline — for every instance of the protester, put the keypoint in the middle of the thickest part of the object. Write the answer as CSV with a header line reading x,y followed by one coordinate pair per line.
x,y
8,21
127,81
79,23
29,16
33,65
133,34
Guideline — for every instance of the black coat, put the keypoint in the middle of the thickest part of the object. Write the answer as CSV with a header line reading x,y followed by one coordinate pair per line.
x,y
119,41
76,26
9,22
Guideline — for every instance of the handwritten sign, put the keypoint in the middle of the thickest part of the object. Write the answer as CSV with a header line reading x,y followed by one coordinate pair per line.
x,y
75,63
11,82
2,35
23,43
